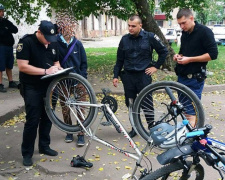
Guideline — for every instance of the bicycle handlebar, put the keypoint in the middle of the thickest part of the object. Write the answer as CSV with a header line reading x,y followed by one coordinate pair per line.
x,y
194,134
199,132
169,92
204,131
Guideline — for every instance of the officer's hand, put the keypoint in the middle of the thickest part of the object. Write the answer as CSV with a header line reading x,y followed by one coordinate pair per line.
x,y
150,71
52,70
115,82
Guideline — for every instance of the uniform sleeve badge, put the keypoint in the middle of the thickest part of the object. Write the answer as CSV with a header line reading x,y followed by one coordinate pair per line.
x,y
19,47
53,51
156,37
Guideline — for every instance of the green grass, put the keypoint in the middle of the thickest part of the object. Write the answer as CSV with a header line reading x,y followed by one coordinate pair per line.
x,y
102,61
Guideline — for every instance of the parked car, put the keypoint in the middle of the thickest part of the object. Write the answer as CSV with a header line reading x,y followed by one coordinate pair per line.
x,y
219,33
170,35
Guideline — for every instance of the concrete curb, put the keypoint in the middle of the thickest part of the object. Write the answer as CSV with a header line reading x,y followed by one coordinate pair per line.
x,y
209,88
20,108
11,114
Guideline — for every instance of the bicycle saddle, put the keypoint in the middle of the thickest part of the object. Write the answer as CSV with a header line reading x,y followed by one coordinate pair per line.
x,y
80,162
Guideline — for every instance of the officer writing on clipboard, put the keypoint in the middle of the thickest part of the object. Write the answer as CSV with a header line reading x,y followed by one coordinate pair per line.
x,y
35,52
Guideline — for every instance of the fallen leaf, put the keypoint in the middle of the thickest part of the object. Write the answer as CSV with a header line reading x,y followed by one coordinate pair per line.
x,y
128,167
101,169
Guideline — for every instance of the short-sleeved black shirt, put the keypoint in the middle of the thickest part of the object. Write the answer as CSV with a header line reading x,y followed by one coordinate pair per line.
x,y
31,49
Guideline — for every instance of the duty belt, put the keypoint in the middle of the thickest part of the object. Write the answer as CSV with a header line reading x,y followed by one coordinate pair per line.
x,y
189,76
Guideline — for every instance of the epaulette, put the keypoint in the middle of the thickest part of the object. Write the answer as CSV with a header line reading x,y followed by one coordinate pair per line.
x,y
26,35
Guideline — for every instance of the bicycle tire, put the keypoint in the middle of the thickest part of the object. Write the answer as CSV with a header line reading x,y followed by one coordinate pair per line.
x,y
165,173
154,109
61,93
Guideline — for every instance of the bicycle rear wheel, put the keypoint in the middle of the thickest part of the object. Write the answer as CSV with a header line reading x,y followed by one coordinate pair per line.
x,y
150,107
175,171
61,95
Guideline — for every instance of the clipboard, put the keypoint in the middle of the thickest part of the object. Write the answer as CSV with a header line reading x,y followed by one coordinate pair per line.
x,y
59,72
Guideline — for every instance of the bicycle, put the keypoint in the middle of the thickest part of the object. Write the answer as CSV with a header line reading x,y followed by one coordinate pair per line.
x,y
73,98
175,160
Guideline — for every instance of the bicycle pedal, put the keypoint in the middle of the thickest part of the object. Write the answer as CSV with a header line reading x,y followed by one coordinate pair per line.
x,y
107,123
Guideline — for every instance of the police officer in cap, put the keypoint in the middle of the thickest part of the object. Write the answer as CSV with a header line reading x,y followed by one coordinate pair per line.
x,y
6,49
37,56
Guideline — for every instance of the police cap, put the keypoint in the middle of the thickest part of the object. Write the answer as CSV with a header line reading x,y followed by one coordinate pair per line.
x,y
48,30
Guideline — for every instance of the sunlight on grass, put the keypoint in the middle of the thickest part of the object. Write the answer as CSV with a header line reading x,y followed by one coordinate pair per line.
x,y
102,60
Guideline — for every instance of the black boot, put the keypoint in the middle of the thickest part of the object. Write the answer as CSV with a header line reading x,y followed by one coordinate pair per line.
x,y
132,133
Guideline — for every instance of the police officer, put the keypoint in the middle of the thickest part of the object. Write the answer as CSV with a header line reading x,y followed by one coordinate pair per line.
x,y
135,56
6,49
37,56
198,46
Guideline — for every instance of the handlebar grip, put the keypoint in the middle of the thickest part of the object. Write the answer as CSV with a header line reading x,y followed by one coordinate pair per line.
x,y
194,134
169,92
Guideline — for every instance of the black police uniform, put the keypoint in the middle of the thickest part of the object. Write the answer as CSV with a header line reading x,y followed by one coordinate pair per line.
x,y
34,90
135,55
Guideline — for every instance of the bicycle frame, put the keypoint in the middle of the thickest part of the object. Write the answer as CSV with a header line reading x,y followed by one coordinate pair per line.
x,y
92,135
216,144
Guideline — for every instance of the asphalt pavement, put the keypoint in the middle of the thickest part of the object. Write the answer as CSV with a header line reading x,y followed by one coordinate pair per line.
x,y
108,164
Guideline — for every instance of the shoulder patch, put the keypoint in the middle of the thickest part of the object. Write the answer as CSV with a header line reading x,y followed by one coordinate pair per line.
x,y
156,37
53,51
19,47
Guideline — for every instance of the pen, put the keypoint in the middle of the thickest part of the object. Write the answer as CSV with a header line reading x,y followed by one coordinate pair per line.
x,y
49,64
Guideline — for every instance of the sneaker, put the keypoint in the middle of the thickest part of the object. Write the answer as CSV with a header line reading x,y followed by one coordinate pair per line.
x,y
13,84
2,89
27,161
80,140
69,138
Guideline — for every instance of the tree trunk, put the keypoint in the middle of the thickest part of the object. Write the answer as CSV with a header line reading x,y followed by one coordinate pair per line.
x,y
149,24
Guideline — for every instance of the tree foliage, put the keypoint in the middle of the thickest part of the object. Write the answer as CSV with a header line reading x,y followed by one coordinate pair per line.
x,y
214,13
29,10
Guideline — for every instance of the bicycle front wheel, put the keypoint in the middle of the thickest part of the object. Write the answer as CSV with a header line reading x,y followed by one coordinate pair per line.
x,y
151,106
62,95
175,171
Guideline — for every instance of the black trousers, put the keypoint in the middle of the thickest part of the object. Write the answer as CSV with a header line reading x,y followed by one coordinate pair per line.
x,y
133,83
36,118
